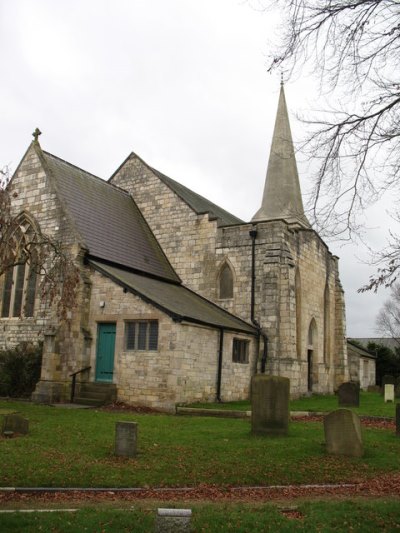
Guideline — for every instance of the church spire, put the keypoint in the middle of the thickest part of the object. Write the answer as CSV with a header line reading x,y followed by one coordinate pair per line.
x,y
282,194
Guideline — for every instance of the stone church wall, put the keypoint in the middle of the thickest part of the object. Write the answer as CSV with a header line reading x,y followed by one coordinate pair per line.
x,y
188,239
34,194
285,257
183,369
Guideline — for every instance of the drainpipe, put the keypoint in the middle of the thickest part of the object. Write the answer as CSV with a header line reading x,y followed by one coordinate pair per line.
x,y
219,372
253,235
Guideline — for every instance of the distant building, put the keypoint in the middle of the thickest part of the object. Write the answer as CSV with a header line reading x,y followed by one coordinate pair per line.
x,y
179,300
362,364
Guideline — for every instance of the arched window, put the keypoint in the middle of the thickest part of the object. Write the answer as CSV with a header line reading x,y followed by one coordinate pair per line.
x,y
19,283
311,353
225,282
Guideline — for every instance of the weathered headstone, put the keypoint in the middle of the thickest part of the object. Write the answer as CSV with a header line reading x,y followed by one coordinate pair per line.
x,y
349,394
16,424
173,521
389,392
373,388
397,388
387,379
398,419
126,439
269,405
343,433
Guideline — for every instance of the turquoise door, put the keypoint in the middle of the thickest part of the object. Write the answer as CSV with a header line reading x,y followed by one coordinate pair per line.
x,y
105,352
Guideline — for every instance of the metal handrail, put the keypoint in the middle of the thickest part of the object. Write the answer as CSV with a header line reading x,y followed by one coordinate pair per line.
x,y
74,380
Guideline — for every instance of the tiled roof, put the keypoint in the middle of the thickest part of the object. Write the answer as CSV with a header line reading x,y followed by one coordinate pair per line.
x,y
108,220
175,300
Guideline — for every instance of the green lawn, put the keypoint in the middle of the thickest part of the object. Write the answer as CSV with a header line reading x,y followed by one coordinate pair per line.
x,y
356,516
75,448
371,404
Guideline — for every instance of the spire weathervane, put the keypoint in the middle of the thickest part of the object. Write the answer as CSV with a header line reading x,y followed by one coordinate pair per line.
x,y
36,134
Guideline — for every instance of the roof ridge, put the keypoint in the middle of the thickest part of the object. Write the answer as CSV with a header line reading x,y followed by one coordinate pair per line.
x,y
164,176
89,174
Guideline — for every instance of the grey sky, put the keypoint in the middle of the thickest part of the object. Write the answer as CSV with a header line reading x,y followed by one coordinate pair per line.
x,y
182,83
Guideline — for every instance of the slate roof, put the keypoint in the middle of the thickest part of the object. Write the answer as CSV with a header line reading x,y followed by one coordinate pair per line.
x,y
175,300
198,203
108,220
360,351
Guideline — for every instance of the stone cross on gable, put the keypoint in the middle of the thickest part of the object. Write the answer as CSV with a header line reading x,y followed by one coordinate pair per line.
x,y
36,134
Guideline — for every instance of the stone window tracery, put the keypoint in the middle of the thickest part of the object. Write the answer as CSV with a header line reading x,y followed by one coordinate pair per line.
x,y
19,281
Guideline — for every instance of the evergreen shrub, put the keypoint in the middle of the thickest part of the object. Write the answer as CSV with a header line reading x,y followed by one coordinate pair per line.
x,y
20,369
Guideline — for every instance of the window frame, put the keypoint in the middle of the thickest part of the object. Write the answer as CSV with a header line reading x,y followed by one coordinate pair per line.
x,y
240,351
151,338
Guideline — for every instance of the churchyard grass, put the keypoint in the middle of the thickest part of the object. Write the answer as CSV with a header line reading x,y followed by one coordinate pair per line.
x,y
75,448
327,516
371,404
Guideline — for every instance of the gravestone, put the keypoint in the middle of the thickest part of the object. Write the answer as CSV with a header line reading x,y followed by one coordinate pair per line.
x,y
373,388
173,521
387,379
343,433
398,419
16,424
126,439
397,388
389,392
349,394
269,405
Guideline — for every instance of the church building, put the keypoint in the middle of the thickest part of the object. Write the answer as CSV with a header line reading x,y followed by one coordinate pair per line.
x,y
179,300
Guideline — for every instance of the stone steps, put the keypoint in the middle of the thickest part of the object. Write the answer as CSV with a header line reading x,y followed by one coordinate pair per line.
x,y
96,394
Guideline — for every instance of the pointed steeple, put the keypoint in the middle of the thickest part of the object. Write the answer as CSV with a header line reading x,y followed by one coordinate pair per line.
x,y
282,194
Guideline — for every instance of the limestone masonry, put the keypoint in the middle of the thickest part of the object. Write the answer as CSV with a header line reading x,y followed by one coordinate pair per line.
x,y
179,300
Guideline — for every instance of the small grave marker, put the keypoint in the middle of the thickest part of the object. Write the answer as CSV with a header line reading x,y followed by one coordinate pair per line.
x,y
173,521
389,392
269,405
126,439
16,424
349,394
343,433
387,379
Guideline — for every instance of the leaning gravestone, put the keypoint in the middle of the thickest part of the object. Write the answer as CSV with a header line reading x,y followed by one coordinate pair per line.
x,y
126,439
173,521
343,433
398,419
349,394
389,392
269,405
15,424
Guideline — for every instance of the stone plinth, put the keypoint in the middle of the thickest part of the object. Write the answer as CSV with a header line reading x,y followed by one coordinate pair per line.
x,y
343,433
269,405
173,521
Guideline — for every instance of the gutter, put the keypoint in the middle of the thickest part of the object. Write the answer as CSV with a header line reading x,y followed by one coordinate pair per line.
x,y
253,235
219,369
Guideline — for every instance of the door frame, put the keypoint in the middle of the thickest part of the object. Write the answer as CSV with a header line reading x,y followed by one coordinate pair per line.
x,y
98,345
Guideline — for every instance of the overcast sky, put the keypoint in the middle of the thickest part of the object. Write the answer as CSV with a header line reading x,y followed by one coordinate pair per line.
x,y
182,83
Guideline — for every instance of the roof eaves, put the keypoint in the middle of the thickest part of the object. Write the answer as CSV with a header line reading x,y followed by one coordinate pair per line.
x,y
175,316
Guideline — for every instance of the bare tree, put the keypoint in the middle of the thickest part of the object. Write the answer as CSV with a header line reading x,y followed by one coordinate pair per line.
x,y
354,45
388,319
47,258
